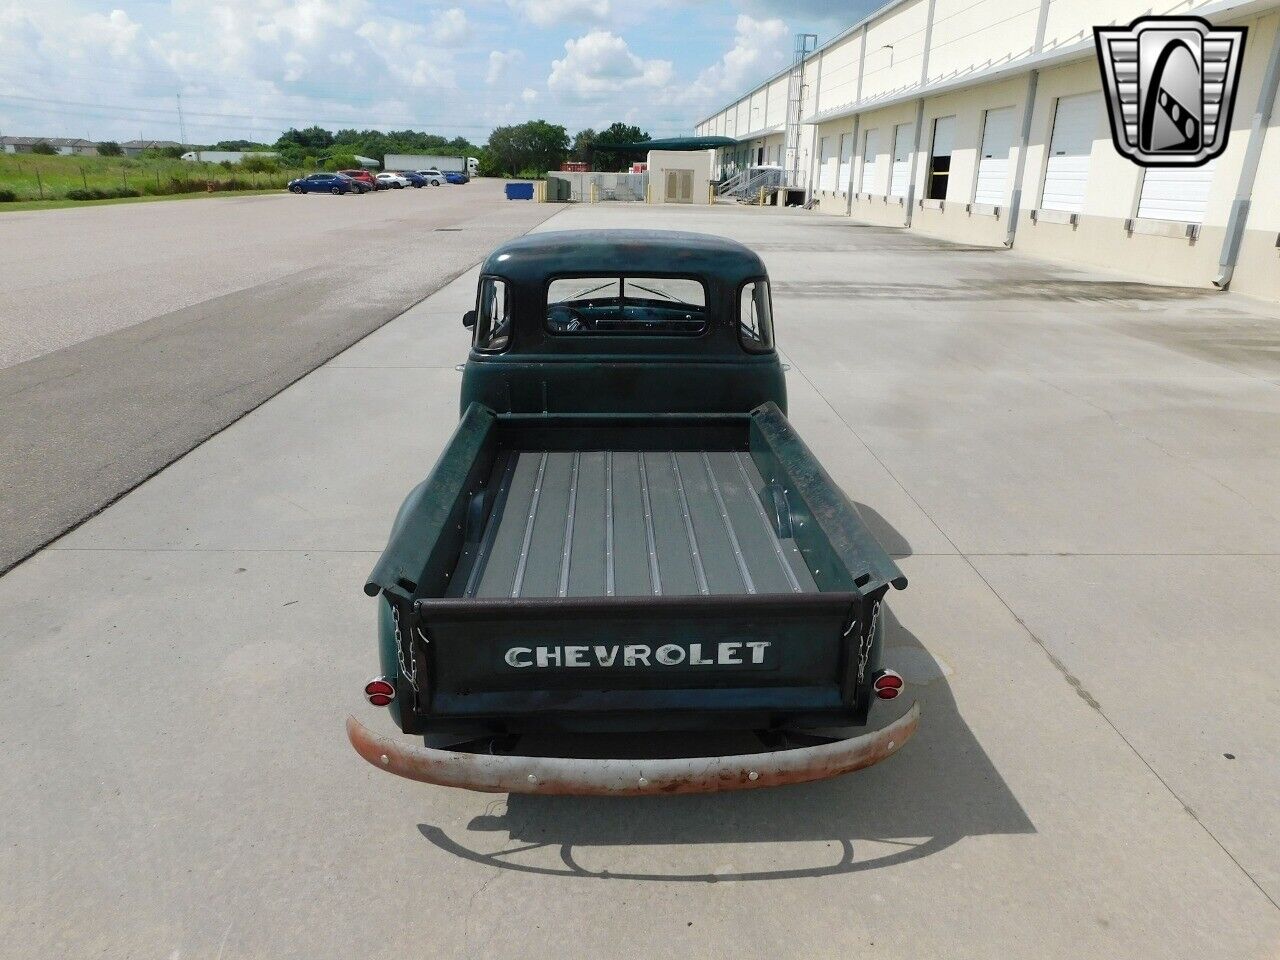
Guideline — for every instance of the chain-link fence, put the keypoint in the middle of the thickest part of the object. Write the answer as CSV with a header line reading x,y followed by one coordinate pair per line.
x,y
566,187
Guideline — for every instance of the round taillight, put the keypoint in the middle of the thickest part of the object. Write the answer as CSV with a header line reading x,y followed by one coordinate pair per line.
x,y
887,684
380,691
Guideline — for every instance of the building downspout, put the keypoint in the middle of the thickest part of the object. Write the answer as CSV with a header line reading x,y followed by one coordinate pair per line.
x,y
857,122
1024,137
1249,172
915,150
915,162
813,145
1028,111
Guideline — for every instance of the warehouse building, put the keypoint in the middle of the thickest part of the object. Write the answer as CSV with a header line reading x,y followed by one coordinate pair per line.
x,y
63,146
986,123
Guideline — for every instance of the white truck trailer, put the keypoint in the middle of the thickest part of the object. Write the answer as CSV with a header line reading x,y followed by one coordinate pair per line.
x,y
429,161
226,156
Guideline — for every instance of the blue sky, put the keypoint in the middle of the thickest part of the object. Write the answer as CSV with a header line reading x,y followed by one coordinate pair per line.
x,y
248,68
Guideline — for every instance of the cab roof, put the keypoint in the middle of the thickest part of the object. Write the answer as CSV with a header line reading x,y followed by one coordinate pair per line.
x,y
537,256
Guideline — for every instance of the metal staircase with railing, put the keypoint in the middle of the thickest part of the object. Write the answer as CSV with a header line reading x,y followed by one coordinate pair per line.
x,y
747,184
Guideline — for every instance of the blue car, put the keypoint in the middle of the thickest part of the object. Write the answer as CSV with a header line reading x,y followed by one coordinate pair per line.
x,y
334,183
417,179
455,176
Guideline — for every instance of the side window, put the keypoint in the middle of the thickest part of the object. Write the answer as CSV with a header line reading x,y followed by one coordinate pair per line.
x,y
493,316
755,317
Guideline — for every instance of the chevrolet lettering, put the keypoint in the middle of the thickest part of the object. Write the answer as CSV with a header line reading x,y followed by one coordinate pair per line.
x,y
625,534
729,653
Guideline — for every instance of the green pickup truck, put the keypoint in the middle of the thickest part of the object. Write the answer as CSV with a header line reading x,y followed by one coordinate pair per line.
x,y
625,534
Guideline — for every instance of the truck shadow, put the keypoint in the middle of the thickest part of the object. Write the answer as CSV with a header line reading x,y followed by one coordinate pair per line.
x,y
940,788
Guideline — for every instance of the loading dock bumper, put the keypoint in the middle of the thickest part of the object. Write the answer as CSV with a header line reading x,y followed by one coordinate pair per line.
x,y
592,777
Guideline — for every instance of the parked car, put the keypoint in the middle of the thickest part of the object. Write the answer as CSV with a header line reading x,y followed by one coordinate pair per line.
x,y
334,183
393,181
455,176
633,538
417,179
434,176
359,186
362,176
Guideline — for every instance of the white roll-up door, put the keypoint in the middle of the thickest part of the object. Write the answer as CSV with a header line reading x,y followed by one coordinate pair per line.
x,y
1176,193
901,175
846,161
830,165
993,163
1067,171
939,167
944,136
870,153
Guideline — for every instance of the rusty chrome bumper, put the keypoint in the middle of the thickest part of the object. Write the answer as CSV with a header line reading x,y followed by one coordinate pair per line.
x,y
562,775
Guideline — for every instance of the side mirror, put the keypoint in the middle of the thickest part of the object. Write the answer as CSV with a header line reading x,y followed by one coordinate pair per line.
x,y
469,319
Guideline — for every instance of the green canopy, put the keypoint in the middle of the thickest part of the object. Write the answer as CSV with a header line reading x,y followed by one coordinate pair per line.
x,y
672,143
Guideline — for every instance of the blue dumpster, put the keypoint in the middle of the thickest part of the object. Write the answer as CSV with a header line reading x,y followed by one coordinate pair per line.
x,y
519,191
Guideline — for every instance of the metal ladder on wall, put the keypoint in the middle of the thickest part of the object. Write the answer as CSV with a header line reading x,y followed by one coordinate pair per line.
x,y
806,43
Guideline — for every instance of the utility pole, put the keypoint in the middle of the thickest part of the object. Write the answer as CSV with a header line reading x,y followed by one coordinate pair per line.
x,y
182,125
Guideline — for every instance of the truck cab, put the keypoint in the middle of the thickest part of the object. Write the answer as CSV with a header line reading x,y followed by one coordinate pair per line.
x,y
623,321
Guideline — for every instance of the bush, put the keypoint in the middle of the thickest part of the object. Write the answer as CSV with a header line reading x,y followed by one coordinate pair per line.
x,y
7,196
43,149
252,164
109,148
98,193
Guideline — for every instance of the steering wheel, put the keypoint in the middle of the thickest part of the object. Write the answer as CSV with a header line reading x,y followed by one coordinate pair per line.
x,y
565,318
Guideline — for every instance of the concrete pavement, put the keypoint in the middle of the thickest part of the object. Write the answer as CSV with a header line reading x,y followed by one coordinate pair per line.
x,y
173,319
1075,472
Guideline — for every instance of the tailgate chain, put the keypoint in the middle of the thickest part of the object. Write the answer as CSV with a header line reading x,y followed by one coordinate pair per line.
x,y
408,662
864,640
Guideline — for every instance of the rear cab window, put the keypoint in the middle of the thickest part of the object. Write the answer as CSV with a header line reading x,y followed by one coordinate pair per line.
x,y
632,306
493,316
755,316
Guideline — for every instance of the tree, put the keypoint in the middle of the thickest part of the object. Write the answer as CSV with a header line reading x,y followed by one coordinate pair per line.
x,y
583,144
341,161
43,148
535,145
312,138
109,148
614,160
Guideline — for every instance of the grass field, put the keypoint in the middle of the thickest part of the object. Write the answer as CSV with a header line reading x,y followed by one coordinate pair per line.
x,y
34,178
63,204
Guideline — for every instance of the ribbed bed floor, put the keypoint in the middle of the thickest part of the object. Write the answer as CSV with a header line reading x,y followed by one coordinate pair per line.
x,y
606,523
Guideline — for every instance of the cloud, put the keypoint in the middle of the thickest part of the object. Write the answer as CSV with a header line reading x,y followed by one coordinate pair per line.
x,y
528,94
547,13
233,61
452,26
840,15
600,63
499,62
759,48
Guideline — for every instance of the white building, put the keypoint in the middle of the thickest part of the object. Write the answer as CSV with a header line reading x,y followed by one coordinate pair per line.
x,y
985,123
680,176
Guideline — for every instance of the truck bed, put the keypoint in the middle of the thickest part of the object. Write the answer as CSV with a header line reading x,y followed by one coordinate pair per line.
x,y
605,523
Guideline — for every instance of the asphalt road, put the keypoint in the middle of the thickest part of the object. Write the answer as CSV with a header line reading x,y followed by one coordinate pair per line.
x,y
130,333
1078,474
